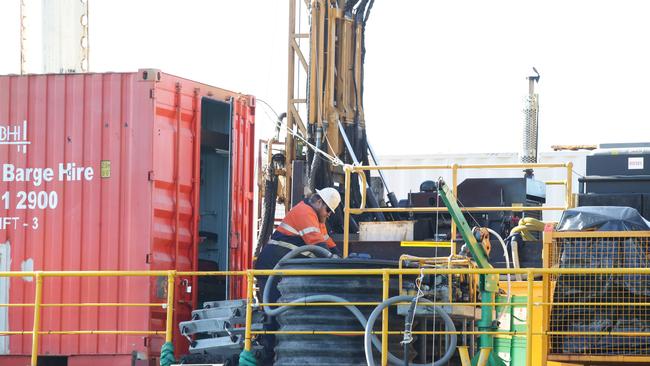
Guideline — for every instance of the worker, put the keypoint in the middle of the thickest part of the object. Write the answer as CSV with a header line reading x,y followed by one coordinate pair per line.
x,y
303,225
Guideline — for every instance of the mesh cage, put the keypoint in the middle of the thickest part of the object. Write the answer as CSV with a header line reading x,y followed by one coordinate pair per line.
x,y
600,314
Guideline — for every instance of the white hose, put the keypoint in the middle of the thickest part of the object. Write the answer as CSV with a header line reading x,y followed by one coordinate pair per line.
x,y
505,254
515,257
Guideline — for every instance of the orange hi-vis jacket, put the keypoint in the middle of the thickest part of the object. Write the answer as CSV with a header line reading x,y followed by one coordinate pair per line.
x,y
300,227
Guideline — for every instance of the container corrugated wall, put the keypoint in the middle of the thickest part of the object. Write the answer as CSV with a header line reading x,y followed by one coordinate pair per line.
x,y
103,194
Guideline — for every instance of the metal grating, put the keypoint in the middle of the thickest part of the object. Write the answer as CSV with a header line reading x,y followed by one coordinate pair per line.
x,y
600,314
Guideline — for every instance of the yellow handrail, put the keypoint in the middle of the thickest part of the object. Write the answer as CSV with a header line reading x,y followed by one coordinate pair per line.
x,y
384,273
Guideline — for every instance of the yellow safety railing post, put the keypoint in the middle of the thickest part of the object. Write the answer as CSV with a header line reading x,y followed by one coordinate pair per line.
x,y
484,356
346,212
547,242
169,327
384,318
569,185
529,320
464,356
454,190
38,298
248,336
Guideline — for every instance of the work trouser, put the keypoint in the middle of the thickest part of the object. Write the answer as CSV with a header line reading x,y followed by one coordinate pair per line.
x,y
271,254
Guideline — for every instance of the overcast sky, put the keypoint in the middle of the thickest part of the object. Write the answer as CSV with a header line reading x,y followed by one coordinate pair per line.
x,y
441,76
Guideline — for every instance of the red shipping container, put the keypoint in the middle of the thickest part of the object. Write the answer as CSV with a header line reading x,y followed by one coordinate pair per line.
x,y
119,171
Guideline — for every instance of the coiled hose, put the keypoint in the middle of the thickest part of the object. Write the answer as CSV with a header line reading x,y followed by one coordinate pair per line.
x,y
366,323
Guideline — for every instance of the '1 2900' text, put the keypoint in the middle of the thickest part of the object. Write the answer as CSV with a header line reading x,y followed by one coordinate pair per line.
x,y
30,200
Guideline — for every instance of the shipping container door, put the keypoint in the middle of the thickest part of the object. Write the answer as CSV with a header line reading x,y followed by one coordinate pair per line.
x,y
215,191
241,152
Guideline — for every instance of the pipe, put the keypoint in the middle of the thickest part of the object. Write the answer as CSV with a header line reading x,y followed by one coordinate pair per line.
x,y
449,326
524,227
268,209
316,162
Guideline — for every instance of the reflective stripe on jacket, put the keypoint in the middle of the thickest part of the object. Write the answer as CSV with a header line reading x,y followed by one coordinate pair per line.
x,y
301,226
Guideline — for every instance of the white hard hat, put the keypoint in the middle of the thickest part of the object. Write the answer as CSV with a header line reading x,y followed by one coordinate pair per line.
x,y
330,196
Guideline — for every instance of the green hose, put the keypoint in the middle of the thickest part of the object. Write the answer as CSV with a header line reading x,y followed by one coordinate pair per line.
x,y
247,358
167,354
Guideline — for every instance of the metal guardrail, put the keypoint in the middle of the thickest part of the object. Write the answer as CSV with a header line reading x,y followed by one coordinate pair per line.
x,y
350,169
614,305
385,274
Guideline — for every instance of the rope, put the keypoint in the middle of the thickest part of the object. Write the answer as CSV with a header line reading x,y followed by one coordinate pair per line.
x,y
247,358
408,335
167,354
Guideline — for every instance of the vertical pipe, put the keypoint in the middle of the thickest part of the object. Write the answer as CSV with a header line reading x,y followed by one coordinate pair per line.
x,y
321,66
454,189
569,185
249,311
312,73
346,213
529,319
384,319
169,329
330,109
38,297
288,149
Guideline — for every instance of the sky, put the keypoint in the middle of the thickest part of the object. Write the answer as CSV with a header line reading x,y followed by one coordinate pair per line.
x,y
441,76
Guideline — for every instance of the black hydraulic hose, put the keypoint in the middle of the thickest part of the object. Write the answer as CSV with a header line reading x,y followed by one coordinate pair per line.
x,y
268,209
449,326
315,163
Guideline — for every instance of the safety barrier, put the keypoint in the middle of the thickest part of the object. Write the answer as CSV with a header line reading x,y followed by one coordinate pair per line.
x,y
531,306
610,300
351,169
38,277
